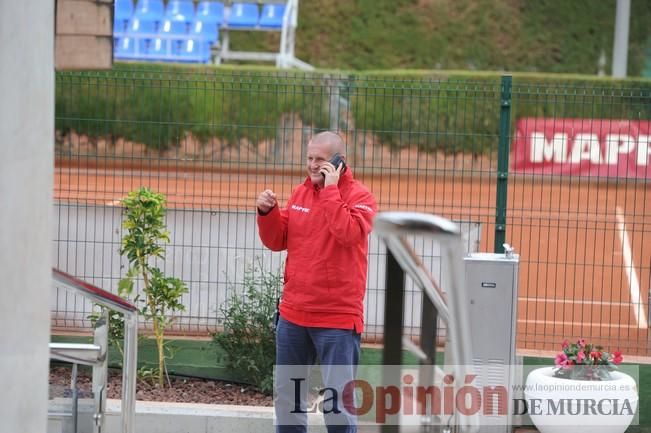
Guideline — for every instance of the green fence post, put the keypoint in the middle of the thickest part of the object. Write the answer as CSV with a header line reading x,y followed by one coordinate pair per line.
x,y
503,163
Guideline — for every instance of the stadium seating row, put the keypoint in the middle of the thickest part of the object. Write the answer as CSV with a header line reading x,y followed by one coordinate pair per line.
x,y
151,30
182,11
162,49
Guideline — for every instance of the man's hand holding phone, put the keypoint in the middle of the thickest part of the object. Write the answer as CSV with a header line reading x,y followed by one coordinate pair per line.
x,y
332,170
266,201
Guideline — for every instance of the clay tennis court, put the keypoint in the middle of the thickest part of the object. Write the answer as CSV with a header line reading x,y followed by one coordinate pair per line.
x,y
585,246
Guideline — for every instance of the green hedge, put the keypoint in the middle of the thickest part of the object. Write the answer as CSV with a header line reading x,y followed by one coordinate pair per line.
x,y
157,105
557,36
444,111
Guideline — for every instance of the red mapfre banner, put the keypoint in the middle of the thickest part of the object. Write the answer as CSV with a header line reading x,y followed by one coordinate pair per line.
x,y
583,147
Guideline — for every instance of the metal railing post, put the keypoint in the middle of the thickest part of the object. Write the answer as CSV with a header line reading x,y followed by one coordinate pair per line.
x,y
503,163
100,371
75,398
129,373
96,354
393,316
393,228
393,312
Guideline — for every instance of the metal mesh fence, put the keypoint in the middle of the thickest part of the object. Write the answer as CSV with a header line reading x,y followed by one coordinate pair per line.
x,y
583,235
212,140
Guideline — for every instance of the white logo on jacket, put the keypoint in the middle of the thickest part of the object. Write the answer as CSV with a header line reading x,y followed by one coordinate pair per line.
x,y
364,207
301,208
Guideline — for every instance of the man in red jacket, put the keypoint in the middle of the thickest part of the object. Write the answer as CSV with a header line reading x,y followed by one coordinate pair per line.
x,y
324,228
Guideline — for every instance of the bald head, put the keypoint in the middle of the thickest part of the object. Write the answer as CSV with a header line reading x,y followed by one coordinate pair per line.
x,y
320,149
333,141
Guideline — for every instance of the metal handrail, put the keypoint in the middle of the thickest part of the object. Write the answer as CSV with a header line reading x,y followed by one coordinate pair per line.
x,y
85,354
113,302
94,293
393,227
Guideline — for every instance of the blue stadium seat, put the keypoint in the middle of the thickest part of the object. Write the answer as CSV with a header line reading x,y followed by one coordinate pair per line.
x,y
210,12
194,51
142,48
139,26
121,15
160,49
119,26
180,10
125,48
141,32
243,15
173,27
272,16
203,30
151,10
123,9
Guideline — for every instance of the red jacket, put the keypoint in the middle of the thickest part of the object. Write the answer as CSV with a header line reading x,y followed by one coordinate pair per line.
x,y
325,232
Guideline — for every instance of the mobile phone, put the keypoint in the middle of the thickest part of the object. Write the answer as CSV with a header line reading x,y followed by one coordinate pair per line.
x,y
335,161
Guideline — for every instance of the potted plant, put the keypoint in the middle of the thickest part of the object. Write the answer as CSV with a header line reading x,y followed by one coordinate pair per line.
x,y
584,388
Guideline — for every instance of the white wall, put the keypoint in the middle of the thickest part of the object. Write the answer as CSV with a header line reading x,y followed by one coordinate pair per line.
x,y
209,250
26,159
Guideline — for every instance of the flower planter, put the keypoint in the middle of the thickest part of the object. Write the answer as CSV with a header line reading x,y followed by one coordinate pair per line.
x,y
556,404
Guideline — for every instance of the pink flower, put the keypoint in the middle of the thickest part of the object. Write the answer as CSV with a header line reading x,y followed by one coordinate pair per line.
x,y
596,364
617,357
561,360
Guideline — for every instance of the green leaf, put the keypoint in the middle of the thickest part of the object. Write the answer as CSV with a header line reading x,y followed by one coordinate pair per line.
x,y
125,287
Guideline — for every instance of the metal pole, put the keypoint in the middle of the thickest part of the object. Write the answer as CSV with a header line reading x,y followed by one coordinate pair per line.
x,y
75,398
393,314
428,331
334,104
503,163
100,371
129,372
620,44
292,31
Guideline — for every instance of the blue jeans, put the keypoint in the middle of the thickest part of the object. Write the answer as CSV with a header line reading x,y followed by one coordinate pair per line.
x,y
336,350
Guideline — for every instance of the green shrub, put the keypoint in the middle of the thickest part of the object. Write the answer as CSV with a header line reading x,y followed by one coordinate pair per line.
x,y
442,111
248,342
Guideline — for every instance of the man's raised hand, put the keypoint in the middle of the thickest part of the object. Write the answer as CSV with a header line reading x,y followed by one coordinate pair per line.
x,y
266,201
